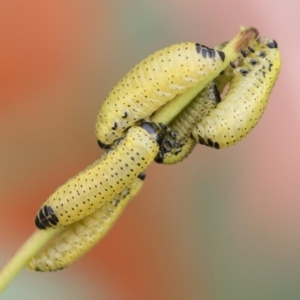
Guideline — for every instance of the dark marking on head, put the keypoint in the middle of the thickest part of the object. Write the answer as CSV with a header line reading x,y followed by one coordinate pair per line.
x,y
216,145
149,127
38,223
198,48
251,49
270,67
201,140
46,218
272,44
142,176
211,53
210,143
102,145
204,52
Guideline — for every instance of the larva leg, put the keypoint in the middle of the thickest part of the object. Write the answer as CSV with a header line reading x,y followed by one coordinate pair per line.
x,y
107,177
243,105
78,238
185,121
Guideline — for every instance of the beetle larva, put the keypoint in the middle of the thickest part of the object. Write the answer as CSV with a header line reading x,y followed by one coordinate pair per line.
x,y
152,83
244,104
183,124
75,240
101,182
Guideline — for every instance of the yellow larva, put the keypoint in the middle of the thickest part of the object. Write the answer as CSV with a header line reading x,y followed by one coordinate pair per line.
x,y
94,187
78,238
152,83
244,104
183,124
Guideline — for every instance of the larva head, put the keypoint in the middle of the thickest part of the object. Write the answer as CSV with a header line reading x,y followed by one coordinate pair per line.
x,y
46,218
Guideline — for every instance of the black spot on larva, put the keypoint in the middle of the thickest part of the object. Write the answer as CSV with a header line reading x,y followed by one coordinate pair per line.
x,y
272,44
198,48
244,53
201,140
102,145
211,53
233,65
210,143
216,145
149,127
262,54
125,115
253,62
115,126
270,67
222,55
142,176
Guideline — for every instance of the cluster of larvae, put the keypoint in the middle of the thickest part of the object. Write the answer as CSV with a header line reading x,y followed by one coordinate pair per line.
x,y
87,205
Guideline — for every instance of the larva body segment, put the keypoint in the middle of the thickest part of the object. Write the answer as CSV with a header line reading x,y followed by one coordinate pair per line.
x,y
244,104
102,181
76,239
183,124
225,76
151,84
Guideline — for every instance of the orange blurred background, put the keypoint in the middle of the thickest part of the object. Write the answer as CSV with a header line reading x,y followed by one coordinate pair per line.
x,y
220,225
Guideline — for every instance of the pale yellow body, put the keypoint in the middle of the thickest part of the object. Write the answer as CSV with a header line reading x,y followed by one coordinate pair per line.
x,y
187,119
244,104
78,238
100,183
151,84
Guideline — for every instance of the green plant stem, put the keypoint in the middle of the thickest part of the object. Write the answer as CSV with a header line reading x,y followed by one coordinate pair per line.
x,y
37,240
164,115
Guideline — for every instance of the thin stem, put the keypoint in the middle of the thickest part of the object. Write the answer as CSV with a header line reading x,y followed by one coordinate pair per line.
x,y
164,115
37,240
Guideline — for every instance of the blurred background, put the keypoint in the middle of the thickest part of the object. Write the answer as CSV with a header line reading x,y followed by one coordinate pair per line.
x,y
221,225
